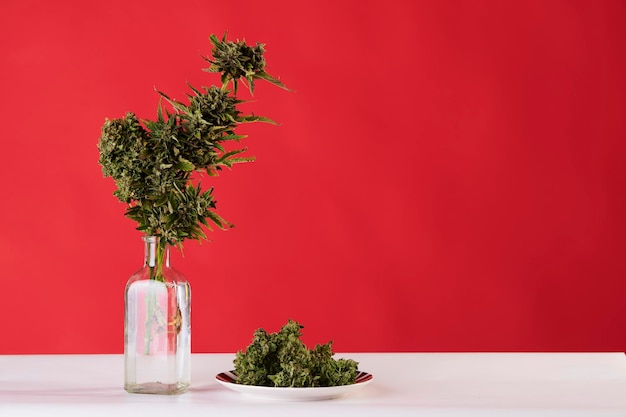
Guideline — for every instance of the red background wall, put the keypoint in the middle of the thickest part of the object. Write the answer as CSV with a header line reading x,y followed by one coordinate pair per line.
x,y
448,176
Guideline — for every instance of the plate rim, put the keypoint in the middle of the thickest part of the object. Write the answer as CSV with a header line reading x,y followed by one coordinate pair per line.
x,y
226,379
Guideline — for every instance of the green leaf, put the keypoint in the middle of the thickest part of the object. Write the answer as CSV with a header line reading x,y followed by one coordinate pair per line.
x,y
218,220
253,118
265,76
231,153
232,161
215,41
177,105
184,165
233,137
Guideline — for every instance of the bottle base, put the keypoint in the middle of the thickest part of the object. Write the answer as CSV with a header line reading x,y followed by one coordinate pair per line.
x,y
157,388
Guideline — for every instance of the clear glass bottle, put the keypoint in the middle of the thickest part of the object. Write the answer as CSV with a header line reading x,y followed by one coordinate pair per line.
x,y
157,327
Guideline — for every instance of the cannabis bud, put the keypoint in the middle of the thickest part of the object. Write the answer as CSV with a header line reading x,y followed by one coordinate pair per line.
x,y
237,60
282,360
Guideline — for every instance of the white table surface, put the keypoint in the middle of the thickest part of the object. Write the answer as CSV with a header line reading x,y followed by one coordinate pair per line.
x,y
405,384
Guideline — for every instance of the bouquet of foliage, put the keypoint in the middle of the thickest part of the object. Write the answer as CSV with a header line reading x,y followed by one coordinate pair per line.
x,y
153,161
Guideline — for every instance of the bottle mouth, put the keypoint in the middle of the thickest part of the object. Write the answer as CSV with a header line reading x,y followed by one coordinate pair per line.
x,y
150,254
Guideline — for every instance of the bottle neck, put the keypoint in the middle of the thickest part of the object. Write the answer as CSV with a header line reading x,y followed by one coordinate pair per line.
x,y
154,252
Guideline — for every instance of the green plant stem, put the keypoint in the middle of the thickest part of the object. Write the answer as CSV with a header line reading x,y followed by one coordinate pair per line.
x,y
150,309
156,274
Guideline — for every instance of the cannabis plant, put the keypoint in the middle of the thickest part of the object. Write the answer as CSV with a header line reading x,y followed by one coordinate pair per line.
x,y
156,164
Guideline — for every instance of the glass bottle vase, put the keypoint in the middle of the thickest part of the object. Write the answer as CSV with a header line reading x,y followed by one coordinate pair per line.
x,y
157,328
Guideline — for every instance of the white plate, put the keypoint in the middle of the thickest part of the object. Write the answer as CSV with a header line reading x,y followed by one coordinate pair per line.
x,y
228,379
